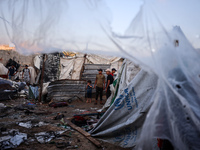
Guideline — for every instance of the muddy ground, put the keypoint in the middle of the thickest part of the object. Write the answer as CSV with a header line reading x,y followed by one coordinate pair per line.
x,y
16,112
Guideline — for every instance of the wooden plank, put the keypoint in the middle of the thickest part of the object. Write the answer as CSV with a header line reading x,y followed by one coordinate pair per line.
x,y
86,134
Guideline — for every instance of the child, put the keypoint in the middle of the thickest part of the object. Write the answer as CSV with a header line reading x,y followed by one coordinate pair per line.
x,y
89,91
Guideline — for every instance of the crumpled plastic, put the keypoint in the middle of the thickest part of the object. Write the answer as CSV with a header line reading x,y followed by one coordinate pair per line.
x,y
12,141
153,40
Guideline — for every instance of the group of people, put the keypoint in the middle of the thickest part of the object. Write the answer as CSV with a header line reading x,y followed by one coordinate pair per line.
x,y
26,75
100,85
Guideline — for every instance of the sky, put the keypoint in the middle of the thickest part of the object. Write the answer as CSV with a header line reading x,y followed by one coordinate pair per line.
x,y
68,20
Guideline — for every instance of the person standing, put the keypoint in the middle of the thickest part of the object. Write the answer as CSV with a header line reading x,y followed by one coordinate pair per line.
x,y
108,83
11,72
26,75
89,91
113,71
100,86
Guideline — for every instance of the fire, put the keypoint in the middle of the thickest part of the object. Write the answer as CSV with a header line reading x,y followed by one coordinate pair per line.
x,y
6,47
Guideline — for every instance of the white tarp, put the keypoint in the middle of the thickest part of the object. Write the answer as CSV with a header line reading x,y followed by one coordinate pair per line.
x,y
70,68
122,122
115,62
3,69
125,75
151,40
37,61
33,75
66,68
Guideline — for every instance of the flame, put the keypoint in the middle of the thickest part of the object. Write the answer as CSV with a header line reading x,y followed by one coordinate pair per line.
x,y
6,47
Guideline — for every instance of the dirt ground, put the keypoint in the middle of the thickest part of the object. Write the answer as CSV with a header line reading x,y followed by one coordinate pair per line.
x,y
15,113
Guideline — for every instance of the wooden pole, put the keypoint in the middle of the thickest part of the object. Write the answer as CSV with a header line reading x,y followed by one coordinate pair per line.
x,y
42,77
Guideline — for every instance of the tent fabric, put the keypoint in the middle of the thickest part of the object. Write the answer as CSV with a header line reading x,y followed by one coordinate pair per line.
x,y
122,122
152,40
115,62
3,69
33,75
37,61
66,68
125,75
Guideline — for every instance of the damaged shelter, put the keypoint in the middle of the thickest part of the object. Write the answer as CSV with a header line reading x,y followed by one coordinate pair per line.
x,y
155,97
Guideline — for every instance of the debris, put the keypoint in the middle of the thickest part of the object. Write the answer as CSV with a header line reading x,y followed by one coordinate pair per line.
x,y
45,137
13,140
91,114
59,116
29,124
26,125
58,104
86,134
24,107
62,144
33,92
2,105
79,121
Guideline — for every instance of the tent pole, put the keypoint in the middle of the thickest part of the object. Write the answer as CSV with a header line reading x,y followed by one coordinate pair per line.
x,y
42,77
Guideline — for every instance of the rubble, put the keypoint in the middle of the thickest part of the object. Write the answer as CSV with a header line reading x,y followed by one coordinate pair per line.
x,y
13,139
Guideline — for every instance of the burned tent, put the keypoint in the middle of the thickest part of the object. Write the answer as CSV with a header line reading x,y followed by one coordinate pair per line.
x,y
149,41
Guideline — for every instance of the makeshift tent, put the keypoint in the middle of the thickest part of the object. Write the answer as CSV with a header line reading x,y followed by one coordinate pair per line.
x,y
122,122
3,69
125,75
33,75
150,41
70,68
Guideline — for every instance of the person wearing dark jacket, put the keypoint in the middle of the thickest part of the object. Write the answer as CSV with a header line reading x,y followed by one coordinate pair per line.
x,y
108,83
11,72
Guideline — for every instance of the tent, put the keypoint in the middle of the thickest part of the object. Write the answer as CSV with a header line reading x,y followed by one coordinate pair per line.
x,y
149,41
3,69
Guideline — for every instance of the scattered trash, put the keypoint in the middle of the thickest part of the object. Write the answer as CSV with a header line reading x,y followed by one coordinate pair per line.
x,y
62,144
30,104
2,105
59,116
33,92
93,108
80,110
79,121
29,124
14,139
45,137
25,107
26,125
58,104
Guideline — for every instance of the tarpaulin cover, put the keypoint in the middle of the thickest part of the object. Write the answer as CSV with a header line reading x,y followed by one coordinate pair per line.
x,y
71,68
122,122
3,69
152,40
124,76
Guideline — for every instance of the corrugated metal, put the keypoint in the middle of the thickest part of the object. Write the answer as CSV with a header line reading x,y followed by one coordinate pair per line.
x,y
62,90
91,70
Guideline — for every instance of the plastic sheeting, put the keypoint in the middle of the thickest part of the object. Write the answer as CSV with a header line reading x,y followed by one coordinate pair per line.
x,y
70,68
125,75
3,69
33,75
122,122
150,40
